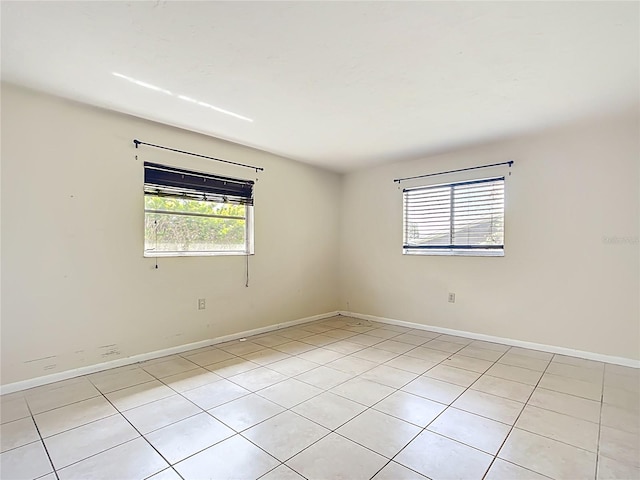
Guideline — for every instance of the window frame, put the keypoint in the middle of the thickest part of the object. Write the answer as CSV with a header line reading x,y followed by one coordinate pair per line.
x,y
189,191
451,249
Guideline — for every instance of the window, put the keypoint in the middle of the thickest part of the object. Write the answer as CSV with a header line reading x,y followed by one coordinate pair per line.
x,y
193,213
464,218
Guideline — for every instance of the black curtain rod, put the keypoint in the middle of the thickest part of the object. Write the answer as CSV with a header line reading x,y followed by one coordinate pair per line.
x,y
138,142
398,180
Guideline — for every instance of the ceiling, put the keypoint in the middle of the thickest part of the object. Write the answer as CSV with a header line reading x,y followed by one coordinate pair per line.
x,y
342,85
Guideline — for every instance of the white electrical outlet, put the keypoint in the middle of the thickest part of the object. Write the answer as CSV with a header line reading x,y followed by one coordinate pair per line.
x,y
452,298
202,304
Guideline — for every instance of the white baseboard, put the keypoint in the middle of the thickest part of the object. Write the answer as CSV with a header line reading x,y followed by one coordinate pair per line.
x,y
77,372
599,357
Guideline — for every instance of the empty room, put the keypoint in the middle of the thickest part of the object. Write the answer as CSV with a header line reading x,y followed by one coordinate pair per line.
x,y
320,240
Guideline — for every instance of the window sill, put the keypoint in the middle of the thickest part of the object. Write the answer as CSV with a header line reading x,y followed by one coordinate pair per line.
x,y
195,254
455,253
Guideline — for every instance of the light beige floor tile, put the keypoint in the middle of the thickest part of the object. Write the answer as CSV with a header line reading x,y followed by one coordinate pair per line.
x,y
620,418
621,398
82,442
170,367
455,339
167,474
71,416
467,363
580,388
319,340
571,430
180,440
132,460
345,347
621,370
395,471
423,333
329,410
385,332
411,339
315,327
49,476
496,347
293,366
266,356
137,395
410,408
276,436
479,432
324,377
448,347
241,348
246,411
17,433
282,473
117,380
191,379
433,389
547,457
438,457
389,376
428,354
568,404
60,394
26,462
289,393
339,334
352,365
621,446
624,381
13,408
527,352
502,470
501,387
410,364
374,354
366,340
320,356
481,353
380,432
271,340
258,378
209,357
214,394
609,469
348,460
457,376
295,333
294,347
578,362
585,374
524,361
363,391
231,367
151,416
394,346
162,359
516,374
484,404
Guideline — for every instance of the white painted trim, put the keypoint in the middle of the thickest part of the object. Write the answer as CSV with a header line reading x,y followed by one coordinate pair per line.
x,y
599,357
77,372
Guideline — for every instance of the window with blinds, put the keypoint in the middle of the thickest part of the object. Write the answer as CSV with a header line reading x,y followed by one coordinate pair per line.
x,y
463,218
195,213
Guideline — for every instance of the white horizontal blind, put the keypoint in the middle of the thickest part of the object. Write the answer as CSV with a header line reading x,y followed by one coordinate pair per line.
x,y
455,216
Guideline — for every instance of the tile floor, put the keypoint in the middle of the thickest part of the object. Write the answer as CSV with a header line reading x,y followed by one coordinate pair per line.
x,y
333,399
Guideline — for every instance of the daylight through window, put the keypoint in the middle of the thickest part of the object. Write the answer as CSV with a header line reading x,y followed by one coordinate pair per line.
x,y
193,213
463,218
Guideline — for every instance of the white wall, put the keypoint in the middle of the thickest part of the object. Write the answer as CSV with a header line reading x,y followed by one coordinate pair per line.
x,y
76,289
560,282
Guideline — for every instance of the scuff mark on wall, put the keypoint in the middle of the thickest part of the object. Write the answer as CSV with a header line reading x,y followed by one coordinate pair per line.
x,y
39,359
